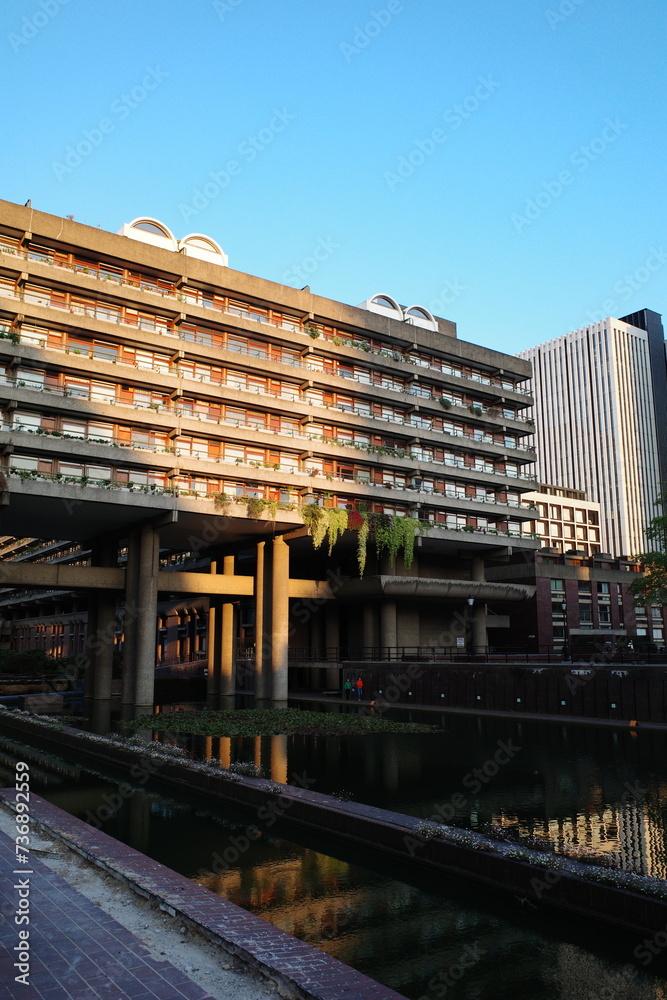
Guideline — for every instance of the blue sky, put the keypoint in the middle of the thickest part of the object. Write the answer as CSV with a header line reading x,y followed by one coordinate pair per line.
x,y
499,162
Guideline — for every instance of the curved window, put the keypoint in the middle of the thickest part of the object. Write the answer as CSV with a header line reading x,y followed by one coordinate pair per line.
x,y
419,313
151,227
202,244
382,300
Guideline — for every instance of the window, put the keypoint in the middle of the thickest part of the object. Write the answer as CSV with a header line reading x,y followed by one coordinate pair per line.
x,y
558,586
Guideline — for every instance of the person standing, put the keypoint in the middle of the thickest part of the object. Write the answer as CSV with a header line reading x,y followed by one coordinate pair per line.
x,y
347,687
359,685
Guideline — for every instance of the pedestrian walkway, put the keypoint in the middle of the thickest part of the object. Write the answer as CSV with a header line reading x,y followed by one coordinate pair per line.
x,y
75,950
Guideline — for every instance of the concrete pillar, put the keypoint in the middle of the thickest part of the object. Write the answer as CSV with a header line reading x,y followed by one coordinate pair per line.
x,y
103,654
279,619
262,624
89,661
227,638
316,633
100,628
370,632
332,675
213,631
479,638
130,618
388,629
149,552
331,628
477,568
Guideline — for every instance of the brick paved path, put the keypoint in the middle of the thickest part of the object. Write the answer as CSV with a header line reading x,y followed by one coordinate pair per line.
x,y
76,950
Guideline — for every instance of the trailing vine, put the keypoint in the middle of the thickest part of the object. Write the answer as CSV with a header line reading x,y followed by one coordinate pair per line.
x,y
336,525
390,534
254,507
362,546
315,517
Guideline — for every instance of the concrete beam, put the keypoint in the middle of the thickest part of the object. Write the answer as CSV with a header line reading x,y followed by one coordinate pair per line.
x,y
56,577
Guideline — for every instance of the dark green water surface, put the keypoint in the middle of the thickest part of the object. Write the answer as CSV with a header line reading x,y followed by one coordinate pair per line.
x,y
424,936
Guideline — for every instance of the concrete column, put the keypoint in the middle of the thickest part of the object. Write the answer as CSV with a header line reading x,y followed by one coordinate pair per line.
x,y
279,619
262,624
100,630
212,645
103,655
316,633
331,628
213,650
147,617
388,628
227,638
477,568
130,619
332,675
89,662
479,636
370,632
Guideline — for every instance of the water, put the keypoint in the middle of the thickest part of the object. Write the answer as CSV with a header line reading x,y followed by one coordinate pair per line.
x,y
591,791
406,931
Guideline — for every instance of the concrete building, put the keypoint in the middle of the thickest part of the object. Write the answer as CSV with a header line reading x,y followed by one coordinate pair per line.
x,y
600,401
565,519
169,426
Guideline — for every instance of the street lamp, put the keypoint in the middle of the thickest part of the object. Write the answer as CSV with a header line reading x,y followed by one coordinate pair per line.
x,y
566,645
469,603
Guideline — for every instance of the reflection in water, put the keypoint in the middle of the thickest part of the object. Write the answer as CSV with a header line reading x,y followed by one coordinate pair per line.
x,y
591,791
357,909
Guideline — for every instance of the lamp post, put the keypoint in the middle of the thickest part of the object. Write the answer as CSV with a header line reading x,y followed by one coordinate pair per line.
x,y
469,605
566,644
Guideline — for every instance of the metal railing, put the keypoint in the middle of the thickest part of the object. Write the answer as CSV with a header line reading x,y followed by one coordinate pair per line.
x,y
533,654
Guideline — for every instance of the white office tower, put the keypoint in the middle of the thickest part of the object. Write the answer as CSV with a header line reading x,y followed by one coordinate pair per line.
x,y
601,420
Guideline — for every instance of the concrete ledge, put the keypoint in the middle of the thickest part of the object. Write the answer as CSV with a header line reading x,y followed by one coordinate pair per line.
x,y
546,880
299,969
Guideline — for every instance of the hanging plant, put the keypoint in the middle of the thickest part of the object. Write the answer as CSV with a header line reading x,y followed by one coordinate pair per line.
x,y
315,518
381,528
336,525
407,527
254,507
362,545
